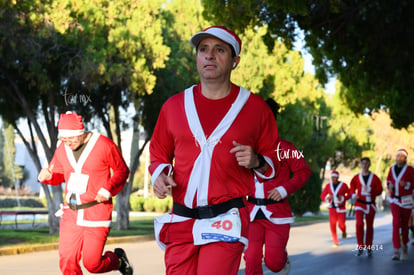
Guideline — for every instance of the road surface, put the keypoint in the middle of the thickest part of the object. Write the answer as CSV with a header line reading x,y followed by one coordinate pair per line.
x,y
309,248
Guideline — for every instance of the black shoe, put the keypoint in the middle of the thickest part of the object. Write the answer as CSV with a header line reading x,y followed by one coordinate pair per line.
x,y
124,267
369,252
360,252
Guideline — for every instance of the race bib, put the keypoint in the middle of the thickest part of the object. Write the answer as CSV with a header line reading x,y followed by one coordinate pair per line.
x,y
77,183
365,190
337,200
225,228
407,201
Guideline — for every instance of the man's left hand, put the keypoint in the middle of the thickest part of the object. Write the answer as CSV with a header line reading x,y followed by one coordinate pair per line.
x,y
245,155
99,198
274,195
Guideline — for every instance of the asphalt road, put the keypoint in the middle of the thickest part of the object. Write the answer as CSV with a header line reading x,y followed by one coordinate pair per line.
x,y
309,248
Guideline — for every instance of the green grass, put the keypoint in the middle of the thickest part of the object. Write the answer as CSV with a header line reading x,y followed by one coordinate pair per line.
x,y
311,218
40,235
27,236
137,226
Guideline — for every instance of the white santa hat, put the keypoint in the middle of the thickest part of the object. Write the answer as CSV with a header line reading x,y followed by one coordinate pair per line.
x,y
70,125
402,151
221,33
335,174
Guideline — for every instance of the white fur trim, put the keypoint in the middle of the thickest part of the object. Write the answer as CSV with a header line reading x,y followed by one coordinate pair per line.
x,y
282,191
397,179
159,170
288,220
104,193
82,222
199,178
271,165
71,133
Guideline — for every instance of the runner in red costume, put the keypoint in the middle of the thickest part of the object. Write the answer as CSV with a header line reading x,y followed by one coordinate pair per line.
x,y
94,171
336,193
208,143
270,213
365,187
400,184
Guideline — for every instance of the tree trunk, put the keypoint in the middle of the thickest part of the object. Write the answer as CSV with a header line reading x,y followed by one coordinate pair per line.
x,y
122,201
53,204
122,207
53,200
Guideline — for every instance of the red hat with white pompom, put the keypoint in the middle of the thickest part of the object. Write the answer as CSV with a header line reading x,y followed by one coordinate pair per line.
x,y
70,125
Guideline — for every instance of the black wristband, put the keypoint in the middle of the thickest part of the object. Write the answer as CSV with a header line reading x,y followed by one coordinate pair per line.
x,y
262,161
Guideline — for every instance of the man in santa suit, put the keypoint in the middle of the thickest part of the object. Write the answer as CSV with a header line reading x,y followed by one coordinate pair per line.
x,y
336,193
270,213
94,171
208,143
365,187
400,184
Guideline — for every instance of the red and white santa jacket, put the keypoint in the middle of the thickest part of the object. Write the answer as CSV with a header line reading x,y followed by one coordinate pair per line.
x,y
366,191
292,173
340,194
99,157
401,195
194,134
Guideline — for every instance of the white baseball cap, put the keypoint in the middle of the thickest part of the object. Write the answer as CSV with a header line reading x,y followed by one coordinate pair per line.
x,y
221,33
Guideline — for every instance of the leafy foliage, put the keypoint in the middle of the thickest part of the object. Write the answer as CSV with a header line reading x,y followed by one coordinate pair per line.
x,y
366,44
24,202
308,197
123,54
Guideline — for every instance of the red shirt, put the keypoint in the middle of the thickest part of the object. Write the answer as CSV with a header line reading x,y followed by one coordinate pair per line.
x,y
173,141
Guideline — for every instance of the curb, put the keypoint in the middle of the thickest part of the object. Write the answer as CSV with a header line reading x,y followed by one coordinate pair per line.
x,y
14,250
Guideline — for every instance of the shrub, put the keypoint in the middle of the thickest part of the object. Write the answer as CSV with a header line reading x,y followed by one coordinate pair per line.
x,y
24,202
163,205
153,204
308,197
137,203
149,204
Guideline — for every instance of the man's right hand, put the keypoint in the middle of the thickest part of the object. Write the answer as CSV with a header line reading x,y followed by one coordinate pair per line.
x,y
45,174
162,185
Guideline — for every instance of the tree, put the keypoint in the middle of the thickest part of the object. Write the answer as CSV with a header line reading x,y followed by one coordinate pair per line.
x,y
123,41
103,51
278,74
366,44
180,22
31,59
5,180
13,174
387,141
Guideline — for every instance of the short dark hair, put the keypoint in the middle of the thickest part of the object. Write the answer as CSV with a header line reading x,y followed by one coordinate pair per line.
x,y
367,159
274,106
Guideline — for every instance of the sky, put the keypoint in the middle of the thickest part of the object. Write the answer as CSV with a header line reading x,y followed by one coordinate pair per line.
x,y
309,68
